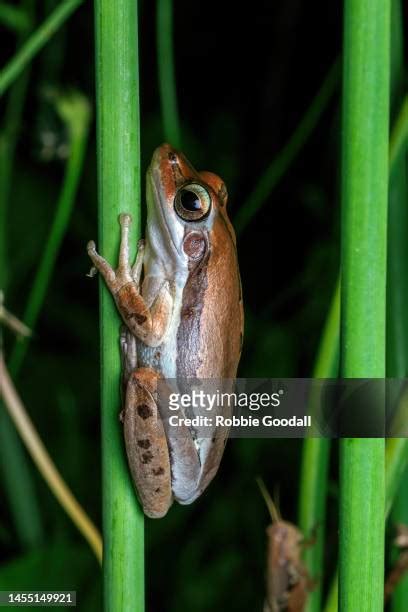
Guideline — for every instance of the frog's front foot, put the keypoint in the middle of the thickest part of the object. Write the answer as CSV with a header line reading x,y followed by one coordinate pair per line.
x,y
115,279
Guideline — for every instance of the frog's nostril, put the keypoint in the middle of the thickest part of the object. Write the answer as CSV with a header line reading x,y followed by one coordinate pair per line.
x,y
164,152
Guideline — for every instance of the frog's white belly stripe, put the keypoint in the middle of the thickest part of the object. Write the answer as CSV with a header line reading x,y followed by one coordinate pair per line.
x,y
168,361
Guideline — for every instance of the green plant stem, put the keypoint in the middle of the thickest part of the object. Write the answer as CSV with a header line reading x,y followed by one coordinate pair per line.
x,y
396,452
327,360
315,462
399,134
363,293
361,586
396,456
397,269
289,152
167,75
312,511
312,475
75,111
397,76
35,42
118,144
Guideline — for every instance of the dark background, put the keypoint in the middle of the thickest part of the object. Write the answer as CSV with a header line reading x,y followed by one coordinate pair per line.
x,y
245,75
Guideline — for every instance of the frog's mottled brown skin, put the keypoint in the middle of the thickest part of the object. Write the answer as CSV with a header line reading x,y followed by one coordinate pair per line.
x,y
184,320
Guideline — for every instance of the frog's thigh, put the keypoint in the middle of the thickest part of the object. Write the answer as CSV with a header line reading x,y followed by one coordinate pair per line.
x,y
146,444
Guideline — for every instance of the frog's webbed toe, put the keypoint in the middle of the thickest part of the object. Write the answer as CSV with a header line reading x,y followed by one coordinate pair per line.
x,y
100,263
115,279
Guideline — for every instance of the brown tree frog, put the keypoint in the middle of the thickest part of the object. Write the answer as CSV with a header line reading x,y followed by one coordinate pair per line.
x,y
182,307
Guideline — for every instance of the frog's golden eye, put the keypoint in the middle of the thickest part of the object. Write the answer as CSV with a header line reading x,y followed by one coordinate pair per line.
x,y
192,202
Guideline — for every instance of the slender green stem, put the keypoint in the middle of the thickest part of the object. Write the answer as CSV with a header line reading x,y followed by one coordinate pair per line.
x,y
75,112
397,270
311,482
119,191
288,154
363,292
399,134
396,455
397,75
16,478
315,462
35,42
396,458
167,75
327,360
312,511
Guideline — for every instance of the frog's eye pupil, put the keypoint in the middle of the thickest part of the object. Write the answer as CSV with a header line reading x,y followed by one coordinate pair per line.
x,y
189,200
192,202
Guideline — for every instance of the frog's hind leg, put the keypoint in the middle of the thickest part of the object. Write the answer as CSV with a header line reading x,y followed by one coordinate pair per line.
x,y
146,444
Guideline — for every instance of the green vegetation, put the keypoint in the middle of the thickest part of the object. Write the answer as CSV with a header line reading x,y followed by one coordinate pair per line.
x,y
304,186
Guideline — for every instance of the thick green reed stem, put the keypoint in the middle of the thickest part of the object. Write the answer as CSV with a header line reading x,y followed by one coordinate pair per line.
x,y
363,292
312,483
396,449
396,454
118,150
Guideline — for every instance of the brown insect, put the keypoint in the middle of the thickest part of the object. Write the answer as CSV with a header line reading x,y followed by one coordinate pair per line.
x,y
287,579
